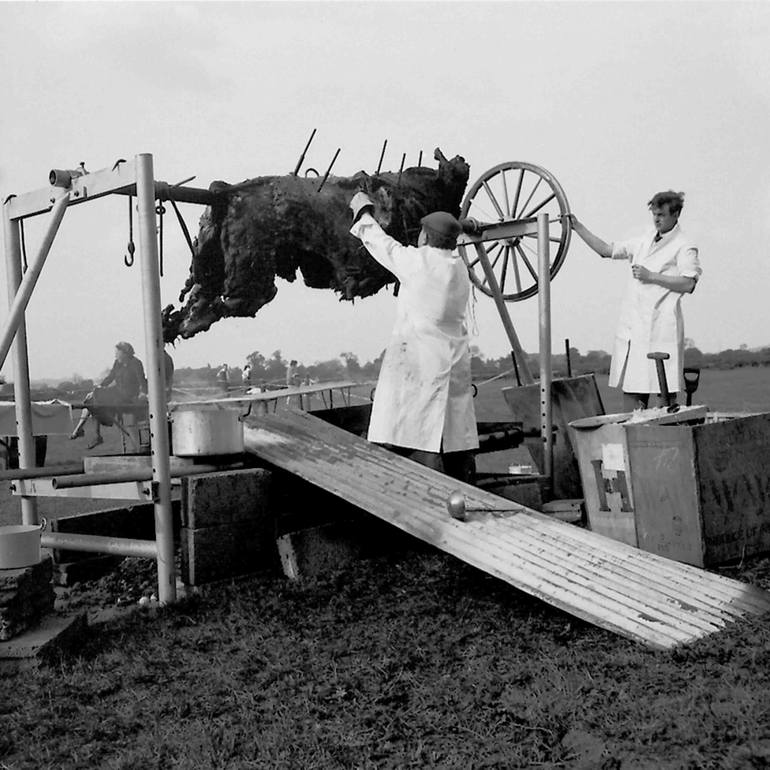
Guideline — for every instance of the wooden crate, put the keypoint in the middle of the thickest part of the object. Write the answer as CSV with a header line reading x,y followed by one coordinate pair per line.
x,y
703,491
698,493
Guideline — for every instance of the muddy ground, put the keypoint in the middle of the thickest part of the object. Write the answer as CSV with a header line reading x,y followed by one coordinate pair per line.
x,y
413,660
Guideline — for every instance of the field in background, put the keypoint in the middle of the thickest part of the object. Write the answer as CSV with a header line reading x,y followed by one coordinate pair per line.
x,y
723,390
414,660
735,390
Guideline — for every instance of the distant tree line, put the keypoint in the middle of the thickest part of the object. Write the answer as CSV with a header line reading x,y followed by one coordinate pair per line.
x,y
270,371
598,361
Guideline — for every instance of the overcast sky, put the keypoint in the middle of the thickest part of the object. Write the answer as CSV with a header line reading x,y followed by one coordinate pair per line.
x,y
616,100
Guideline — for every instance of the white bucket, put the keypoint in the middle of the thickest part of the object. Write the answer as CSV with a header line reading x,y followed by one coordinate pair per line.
x,y
20,545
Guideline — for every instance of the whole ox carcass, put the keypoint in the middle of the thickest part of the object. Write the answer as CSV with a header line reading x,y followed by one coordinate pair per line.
x,y
276,225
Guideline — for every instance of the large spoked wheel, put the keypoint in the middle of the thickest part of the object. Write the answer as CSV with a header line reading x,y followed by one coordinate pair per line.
x,y
514,191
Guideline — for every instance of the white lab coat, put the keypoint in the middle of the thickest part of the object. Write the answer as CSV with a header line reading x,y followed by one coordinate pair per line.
x,y
423,398
651,317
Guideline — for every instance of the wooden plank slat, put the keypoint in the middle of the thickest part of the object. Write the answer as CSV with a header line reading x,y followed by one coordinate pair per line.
x,y
635,594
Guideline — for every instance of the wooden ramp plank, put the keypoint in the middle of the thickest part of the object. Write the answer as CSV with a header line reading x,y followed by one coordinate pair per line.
x,y
642,596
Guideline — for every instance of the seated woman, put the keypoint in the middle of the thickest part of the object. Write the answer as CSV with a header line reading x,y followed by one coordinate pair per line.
x,y
124,386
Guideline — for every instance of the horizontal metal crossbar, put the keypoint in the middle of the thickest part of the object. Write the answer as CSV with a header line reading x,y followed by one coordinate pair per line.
x,y
119,180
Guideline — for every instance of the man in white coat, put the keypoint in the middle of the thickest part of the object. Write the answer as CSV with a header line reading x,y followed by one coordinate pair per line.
x,y
423,404
664,266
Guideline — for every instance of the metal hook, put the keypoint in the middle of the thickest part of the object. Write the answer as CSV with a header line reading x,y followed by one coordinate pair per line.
x,y
128,259
23,246
183,225
160,210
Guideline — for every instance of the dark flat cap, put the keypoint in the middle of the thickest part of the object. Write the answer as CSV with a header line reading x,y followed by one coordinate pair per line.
x,y
441,222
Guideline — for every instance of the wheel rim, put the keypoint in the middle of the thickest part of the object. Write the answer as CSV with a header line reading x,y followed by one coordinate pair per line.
x,y
509,192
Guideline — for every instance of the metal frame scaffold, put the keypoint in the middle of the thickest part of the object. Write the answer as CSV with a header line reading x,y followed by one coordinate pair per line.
x,y
67,188
477,234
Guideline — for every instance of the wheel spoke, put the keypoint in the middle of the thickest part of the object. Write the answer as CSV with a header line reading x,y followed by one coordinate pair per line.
x,y
494,262
536,256
487,252
505,191
524,259
551,238
537,208
505,268
494,201
483,214
516,273
497,258
518,192
534,190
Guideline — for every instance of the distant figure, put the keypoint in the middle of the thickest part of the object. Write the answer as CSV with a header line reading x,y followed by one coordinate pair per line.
x,y
291,374
223,377
247,375
125,385
291,378
664,266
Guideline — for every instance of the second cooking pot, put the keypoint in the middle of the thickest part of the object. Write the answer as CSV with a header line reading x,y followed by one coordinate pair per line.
x,y
206,430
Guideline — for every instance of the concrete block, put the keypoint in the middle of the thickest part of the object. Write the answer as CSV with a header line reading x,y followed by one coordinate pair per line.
x,y
227,550
26,594
309,553
300,505
315,551
53,638
225,497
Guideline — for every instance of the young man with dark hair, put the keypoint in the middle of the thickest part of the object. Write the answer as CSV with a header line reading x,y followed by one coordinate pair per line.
x,y
423,404
664,266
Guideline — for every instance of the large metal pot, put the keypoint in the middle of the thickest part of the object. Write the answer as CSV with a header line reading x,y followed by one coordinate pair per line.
x,y
204,430
20,545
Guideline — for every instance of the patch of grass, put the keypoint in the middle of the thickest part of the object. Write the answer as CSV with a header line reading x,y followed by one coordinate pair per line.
x,y
413,661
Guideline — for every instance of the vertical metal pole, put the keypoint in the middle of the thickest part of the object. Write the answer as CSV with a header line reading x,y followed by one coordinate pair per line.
x,y
22,396
544,306
156,379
